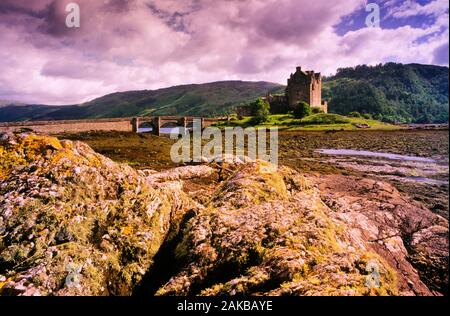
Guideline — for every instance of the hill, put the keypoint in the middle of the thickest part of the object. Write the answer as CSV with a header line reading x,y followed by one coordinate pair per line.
x,y
391,92
209,99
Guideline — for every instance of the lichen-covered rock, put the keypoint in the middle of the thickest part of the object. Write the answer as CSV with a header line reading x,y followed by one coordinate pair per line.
x,y
73,222
256,237
404,232
255,183
180,173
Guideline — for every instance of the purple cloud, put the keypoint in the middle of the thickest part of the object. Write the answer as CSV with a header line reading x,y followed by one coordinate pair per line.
x,y
147,44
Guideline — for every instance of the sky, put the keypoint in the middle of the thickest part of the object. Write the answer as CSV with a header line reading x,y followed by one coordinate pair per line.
x,y
149,44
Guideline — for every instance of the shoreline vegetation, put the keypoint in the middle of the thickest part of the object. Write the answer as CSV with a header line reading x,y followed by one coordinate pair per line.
x,y
314,122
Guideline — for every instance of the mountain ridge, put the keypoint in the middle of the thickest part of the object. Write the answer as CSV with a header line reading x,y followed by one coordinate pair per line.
x,y
391,92
207,99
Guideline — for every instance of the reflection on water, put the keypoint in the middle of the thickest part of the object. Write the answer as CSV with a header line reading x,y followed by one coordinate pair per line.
x,y
163,130
420,170
428,180
351,152
145,129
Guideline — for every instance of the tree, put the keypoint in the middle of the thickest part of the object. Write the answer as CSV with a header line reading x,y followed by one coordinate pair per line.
x,y
316,110
301,110
391,92
354,114
261,110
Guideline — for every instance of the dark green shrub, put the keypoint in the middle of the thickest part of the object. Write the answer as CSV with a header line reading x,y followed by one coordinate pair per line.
x,y
354,114
325,118
301,110
261,110
316,110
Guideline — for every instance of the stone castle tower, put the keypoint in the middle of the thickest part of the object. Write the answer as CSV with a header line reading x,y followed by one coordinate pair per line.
x,y
301,86
305,86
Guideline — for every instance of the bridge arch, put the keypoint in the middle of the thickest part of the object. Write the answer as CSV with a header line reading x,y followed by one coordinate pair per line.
x,y
170,124
145,127
158,122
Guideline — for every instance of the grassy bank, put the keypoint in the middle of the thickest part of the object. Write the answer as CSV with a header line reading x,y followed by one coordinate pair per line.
x,y
316,122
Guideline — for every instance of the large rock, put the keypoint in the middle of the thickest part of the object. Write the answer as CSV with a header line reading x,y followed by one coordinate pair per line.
x,y
73,222
266,231
275,232
409,236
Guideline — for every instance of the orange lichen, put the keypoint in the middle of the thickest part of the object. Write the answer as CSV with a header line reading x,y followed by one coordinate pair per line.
x,y
127,230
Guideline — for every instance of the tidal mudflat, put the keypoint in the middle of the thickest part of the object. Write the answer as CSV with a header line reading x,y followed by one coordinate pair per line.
x,y
414,161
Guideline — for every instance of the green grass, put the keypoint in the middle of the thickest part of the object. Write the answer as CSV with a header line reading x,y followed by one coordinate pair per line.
x,y
321,121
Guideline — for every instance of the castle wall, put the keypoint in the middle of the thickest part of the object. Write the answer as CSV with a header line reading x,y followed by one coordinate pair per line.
x,y
298,88
324,106
316,93
244,110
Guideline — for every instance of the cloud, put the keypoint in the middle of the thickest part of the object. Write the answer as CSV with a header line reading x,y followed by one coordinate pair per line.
x,y
412,8
148,44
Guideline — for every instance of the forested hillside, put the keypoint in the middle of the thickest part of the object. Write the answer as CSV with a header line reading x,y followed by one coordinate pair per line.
x,y
391,92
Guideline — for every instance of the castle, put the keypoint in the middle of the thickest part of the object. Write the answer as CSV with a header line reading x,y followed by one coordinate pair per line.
x,y
301,86
305,86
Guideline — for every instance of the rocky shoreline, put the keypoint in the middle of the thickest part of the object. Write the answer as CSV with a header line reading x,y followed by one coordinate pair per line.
x,y
73,222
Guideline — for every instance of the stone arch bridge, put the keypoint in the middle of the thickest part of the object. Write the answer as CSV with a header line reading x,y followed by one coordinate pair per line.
x,y
159,122
112,124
